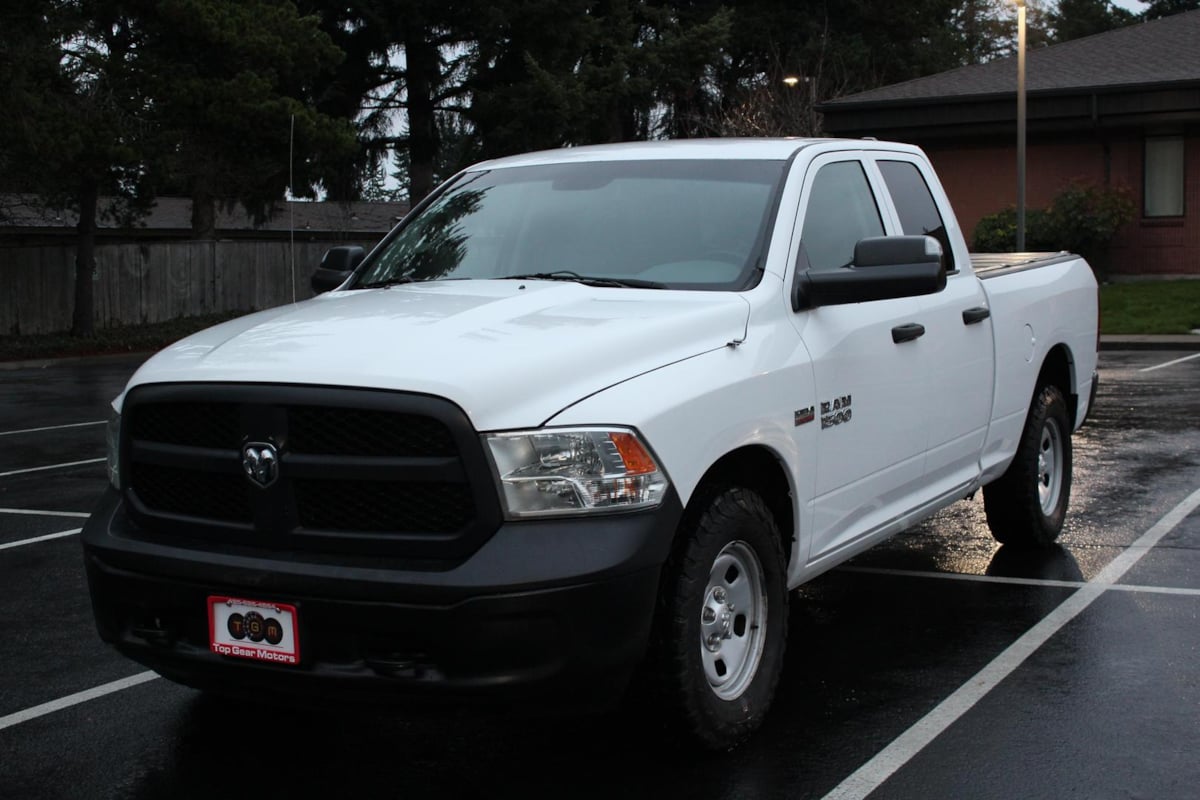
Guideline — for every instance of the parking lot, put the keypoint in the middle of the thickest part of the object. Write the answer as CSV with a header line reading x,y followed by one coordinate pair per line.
x,y
935,666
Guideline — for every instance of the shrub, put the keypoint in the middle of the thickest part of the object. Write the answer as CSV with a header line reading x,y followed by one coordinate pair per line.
x,y
1082,218
997,233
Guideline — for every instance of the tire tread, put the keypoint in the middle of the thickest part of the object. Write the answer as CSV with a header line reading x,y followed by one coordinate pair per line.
x,y
1014,512
694,711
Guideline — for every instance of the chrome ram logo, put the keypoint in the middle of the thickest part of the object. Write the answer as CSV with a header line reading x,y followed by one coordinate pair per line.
x,y
261,463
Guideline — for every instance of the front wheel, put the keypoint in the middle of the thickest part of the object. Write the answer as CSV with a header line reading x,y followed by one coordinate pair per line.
x,y
722,623
1027,505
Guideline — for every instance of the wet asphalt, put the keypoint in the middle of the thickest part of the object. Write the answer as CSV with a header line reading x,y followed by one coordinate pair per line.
x,y
1103,702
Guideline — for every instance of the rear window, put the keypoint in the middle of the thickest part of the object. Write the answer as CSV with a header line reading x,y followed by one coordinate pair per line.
x,y
914,203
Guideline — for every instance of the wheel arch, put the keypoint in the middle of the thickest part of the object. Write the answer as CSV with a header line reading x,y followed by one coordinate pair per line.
x,y
1058,369
760,469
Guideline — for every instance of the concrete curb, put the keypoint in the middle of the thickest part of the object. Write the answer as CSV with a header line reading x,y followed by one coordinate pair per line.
x,y
1145,342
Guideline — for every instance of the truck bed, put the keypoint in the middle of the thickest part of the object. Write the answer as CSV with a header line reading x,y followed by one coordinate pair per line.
x,y
989,265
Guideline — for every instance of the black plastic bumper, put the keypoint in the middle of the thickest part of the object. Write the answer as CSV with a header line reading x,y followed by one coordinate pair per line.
x,y
544,609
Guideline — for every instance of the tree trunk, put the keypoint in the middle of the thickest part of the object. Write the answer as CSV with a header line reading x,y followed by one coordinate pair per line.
x,y
204,211
82,323
422,69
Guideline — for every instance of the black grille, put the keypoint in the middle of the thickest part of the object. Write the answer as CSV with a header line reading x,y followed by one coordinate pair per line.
x,y
212,425
365,432
192,493
376,506
359,471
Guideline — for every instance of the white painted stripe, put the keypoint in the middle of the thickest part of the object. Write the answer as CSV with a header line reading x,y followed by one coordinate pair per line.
x,y
51,428
34,512
75,699
1040,582
1170,363
1129,587
871,775
51,466
960,576
36,539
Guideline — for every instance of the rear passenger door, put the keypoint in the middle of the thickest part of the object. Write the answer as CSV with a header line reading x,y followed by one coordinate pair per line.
x,y
958,331
871,438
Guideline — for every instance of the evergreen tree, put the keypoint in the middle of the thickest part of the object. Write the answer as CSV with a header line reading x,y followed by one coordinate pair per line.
x,y
985,30
545,74
1156,9
403,59
79,118
231,81
1074,19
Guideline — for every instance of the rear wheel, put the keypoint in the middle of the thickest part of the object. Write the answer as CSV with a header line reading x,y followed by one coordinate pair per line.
x,y
1027,505
722,620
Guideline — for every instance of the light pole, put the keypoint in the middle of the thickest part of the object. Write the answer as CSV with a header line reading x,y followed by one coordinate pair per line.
x,y
1020,126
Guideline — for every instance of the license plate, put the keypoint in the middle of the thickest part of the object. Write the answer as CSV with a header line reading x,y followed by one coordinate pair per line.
x,y
253,629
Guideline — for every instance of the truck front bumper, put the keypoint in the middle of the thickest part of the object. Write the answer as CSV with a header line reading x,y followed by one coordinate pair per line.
x,y
546,610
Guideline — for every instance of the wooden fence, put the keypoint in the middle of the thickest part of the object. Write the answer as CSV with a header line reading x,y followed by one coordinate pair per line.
x,y
154,282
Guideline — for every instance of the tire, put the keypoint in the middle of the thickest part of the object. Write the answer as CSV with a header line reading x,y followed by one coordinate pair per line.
x,y
721,627
1026,506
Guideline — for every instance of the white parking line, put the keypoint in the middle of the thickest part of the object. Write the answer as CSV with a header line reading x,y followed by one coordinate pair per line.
x,y
962,576
871,775
1044,582
51,466
75,699
34,512
1170,363
37,539
51,428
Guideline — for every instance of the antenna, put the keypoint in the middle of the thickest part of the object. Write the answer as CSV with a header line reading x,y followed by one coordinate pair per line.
x,y
291,202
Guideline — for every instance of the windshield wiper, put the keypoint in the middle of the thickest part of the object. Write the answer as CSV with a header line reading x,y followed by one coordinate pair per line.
x,y
395,281
587,280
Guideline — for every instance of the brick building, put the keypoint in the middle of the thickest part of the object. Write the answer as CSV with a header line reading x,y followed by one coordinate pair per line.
x,y
1120,109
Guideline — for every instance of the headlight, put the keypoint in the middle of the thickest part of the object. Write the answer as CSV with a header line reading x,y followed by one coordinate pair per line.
x,y
112,437
575,471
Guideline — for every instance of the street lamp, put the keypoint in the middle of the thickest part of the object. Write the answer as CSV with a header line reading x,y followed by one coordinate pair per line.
x,y
1020,126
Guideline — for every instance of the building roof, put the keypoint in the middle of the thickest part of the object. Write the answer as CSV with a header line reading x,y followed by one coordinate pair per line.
x,y
1161,52
172,216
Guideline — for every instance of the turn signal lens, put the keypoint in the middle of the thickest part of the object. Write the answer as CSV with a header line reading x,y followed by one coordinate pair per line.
x,y
637,460
556,471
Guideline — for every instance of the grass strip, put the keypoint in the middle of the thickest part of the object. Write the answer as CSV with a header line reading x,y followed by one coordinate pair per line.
x,y
1150,307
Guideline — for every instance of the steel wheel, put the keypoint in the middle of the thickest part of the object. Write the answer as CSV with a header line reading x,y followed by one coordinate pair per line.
x,y
1049,466
733,620
716,655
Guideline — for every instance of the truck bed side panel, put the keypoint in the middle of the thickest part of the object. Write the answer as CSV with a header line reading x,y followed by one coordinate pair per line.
x,y
1036,306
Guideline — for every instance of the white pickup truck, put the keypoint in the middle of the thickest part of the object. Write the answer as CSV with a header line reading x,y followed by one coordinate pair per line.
x,y
585,414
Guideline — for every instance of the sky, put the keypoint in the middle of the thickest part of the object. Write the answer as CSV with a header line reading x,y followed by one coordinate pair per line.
x,y
1130,5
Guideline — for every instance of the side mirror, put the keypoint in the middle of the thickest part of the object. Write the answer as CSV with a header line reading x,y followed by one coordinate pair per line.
x,y
337,265
884,268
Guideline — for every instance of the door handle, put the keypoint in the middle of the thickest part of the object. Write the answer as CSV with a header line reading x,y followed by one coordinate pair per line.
x,y
977,314
906,333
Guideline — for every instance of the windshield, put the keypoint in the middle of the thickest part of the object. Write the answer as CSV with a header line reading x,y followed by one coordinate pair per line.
x,y
669,224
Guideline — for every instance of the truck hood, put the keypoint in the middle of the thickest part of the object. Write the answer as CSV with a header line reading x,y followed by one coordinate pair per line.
x,y
510,353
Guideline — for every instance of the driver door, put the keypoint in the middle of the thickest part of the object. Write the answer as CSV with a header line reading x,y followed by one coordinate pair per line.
x,y
870,445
